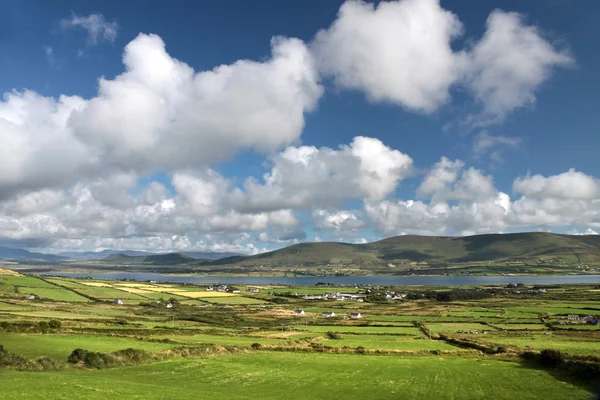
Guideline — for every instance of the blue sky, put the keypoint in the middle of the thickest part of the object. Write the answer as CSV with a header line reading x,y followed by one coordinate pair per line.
x,y
363,120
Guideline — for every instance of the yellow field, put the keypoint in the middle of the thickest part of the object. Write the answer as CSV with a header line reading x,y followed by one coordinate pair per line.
x,y
197,295
156,289
8,272
134,285
134,290
96,284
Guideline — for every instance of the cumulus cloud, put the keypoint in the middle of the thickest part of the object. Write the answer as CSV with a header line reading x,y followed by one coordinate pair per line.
x,y
307,176
505,69
97,27
397,52
568,185
142,117
158,115
400,52
465,201
341,223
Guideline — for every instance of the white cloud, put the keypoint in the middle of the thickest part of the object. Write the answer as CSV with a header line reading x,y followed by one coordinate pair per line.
x,y
98,28
139,121
588,231
397,52
141,117
505,69
341,223
568,185
303,177
400,52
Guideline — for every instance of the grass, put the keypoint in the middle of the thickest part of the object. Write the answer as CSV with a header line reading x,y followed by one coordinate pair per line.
x,y
24,285
362,329
572,345
233,300
383,342
60,346
293,376
453,327
521,326
243,341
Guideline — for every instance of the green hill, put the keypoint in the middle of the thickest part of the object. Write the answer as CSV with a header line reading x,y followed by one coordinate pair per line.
x,y
529,250
158,259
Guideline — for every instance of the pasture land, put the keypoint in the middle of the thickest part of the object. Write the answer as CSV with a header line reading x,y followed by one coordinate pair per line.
x,y
292,376
315,356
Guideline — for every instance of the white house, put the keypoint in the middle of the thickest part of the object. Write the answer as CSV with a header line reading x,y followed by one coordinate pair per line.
x,y
31,297
328,314
169,305
118,302
355,315
298,312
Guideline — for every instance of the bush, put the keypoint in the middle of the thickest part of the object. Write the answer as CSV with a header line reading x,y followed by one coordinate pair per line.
x,y
43,326
55,324
334,335
77,355
256,346
361,350
551,358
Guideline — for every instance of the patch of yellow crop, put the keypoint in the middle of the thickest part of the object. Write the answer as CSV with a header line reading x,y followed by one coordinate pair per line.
x,y
135,290
96,284
134,285
8,272
197,295
157,289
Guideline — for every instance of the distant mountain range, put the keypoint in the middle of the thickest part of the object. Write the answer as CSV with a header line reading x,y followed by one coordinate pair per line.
x,y
7,253
515,251
518,250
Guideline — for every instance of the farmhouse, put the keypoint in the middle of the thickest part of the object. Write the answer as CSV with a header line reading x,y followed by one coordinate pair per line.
x,y
328,314
118,302
298,312
572,317
169,305
355,315
30,297
253,290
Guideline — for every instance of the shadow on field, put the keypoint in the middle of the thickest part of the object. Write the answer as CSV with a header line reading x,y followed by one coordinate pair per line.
x,y
592,387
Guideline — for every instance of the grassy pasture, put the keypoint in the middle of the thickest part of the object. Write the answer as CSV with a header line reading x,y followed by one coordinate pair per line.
x,y
384,342
362,329
233,300
568,344
521,326
199,295
293,376
444,327
60,346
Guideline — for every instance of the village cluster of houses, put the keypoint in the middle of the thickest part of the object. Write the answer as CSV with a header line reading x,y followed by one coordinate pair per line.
x,y
330,314
222,288
336,296
576,319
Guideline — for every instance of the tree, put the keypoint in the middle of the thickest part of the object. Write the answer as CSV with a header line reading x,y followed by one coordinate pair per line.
x,y
43,325
55,324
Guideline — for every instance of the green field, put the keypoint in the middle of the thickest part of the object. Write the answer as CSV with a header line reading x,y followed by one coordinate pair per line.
x,y
400,330
227,349
60,346
571,345
383,342
298,376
